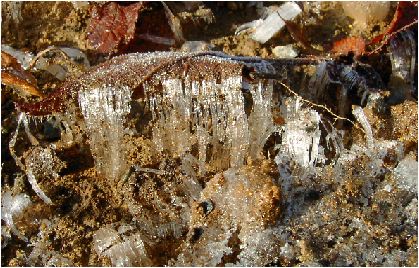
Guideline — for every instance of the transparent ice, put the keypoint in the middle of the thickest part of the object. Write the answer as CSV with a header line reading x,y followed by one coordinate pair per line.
x,y
12,206
301,134
122,249
211,116
104,110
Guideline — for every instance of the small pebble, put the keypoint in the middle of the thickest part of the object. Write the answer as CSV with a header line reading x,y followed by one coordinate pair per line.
x,y
287,51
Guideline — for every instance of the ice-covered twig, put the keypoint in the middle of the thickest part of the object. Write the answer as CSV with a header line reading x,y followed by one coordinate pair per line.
x,y
36,188
360,116
337,117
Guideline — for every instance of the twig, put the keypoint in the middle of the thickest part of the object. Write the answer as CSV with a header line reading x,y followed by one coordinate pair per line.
x,y
388,37
337,117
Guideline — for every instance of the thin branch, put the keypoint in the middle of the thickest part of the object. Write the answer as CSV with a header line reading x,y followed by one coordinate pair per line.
x,y
336,117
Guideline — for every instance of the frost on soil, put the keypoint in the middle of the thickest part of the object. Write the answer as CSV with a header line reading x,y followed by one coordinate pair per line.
x,y
213,168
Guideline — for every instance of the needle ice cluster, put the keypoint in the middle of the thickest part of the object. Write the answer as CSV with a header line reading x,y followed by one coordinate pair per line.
x,y
123,250
212,117
301,134
104,110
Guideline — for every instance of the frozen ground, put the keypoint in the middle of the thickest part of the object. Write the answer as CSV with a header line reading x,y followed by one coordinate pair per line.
x,y
207,163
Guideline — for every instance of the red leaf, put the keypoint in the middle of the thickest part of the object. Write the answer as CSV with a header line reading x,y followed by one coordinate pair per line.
x,y
112,25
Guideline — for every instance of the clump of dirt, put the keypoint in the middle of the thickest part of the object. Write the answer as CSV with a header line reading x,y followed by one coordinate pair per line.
x,y
241,45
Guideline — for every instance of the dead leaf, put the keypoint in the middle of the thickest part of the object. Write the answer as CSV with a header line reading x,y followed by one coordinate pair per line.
x,y
138,27
13,75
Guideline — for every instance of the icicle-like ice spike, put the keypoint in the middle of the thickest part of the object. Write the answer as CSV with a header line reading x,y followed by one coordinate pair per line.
x,y
260,120
301,135
195,100
106,108
134,70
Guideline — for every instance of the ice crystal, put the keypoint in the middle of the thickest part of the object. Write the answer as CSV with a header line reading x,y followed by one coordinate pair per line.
x,y
266,28
260,120
127,250
45,156
365,12
42,163
245,215
193,186
319,80
301,134
362,119
244,206
259,247
403,49
211,116
406,174
42,254
211,255
104,110
12,206
24,58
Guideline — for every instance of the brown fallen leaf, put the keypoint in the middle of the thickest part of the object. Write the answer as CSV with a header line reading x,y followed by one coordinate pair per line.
x,y
13,75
